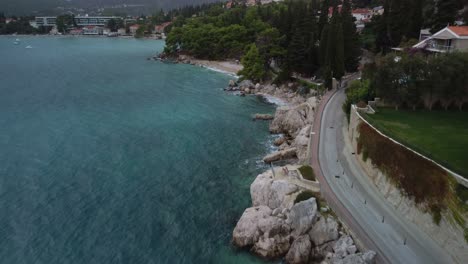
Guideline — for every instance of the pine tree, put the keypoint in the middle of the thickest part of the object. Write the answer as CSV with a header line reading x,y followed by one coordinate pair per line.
x,y
253,65
445,13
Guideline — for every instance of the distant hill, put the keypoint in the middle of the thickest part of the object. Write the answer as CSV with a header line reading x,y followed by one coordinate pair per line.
x,y
23,7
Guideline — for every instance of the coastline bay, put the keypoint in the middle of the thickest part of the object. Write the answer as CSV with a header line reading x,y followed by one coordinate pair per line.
x,y
110,158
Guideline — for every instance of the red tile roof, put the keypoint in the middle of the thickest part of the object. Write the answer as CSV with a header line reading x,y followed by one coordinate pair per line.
x,y
361,11
461,31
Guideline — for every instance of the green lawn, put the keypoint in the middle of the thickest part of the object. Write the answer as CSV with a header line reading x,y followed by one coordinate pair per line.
x,y
441,135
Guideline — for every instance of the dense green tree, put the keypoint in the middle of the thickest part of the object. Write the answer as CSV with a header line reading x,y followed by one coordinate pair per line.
x,y
65,22
323,19
352,49
414,79
444,12
253,65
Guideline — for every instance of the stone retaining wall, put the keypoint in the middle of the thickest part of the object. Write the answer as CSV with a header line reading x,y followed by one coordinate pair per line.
x,y
447,234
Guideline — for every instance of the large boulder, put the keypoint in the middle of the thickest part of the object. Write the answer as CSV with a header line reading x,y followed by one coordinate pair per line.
x,y
246,84
247,232
325,230
260,189
302,216
360,258
341,246
287,153
272,193
275,239
232,83
301,142
299,251
278,191
279,141
289,119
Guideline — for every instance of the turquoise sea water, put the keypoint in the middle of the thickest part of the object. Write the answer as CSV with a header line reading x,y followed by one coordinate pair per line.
x,y
106,157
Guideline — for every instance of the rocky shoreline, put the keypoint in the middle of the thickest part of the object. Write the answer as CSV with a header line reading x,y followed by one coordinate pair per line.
x,y
285,220
230,67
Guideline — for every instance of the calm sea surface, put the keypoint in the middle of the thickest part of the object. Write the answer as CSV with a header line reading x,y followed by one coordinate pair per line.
x,y
106,157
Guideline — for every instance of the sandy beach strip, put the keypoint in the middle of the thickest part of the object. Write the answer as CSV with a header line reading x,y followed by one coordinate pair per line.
x,y
230,67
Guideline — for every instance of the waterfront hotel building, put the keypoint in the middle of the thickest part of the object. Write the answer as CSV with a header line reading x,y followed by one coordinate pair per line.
x,y
81,21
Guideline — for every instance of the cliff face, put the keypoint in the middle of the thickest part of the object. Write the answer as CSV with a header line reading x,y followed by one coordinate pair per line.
x,y
447,234
278,226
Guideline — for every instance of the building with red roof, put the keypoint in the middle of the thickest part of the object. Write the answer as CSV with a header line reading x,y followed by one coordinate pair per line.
x,y
362,14
159,29
451,38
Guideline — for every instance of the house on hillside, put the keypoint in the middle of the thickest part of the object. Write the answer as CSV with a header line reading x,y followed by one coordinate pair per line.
x,y
159,29
134,28
362,14
378,10
250,2
451,38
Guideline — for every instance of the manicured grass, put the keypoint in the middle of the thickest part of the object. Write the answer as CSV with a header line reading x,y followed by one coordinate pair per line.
x,y
440,135
307,172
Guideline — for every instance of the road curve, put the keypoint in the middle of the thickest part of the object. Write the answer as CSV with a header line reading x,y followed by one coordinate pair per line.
x,y
356,201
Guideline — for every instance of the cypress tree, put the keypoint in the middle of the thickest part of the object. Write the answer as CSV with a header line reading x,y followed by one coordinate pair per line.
x,y
352,50
339,67
324,45
323,19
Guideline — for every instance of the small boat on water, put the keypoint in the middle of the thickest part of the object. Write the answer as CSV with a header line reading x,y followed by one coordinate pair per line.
x,y
17,41
29,47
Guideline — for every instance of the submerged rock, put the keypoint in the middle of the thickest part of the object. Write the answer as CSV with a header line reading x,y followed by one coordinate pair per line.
x,y
263,117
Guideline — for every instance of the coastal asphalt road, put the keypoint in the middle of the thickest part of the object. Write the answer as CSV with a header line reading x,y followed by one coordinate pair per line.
x,y
377,224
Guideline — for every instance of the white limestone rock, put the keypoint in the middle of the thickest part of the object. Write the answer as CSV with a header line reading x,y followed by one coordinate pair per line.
x,y
341,246
247,231
299,251
274,241
325,230
302,216
260,189
278,191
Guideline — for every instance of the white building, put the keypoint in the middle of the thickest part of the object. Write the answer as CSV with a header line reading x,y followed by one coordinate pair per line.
x,y
83,21
46,21
93,30
452,38
362,14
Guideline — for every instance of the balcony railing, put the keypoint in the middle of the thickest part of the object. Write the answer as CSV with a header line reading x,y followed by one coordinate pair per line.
x,y
439,47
